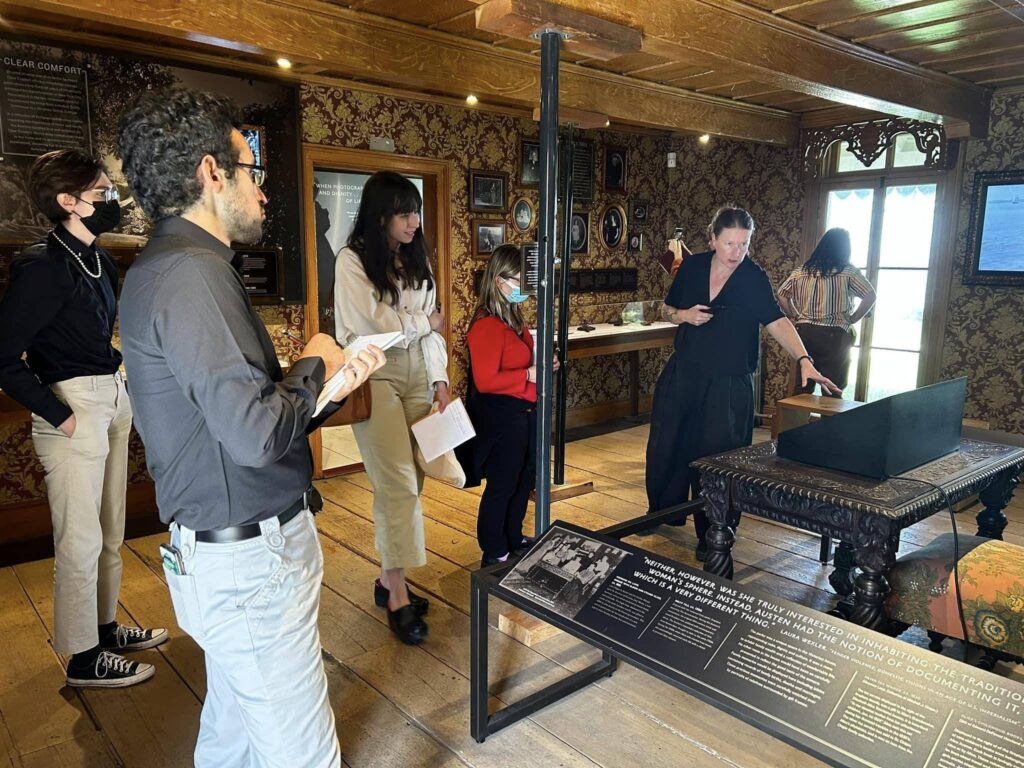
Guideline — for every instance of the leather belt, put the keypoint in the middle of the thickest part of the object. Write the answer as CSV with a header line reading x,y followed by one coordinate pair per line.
x,y
252,530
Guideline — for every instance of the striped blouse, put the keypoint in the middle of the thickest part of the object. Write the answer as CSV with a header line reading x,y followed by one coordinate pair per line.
x,y
825,300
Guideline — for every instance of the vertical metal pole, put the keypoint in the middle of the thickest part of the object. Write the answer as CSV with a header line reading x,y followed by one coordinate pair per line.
x,y
563,312
478,658
551,42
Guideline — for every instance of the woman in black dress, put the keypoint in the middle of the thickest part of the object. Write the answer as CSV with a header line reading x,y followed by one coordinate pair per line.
x,y
704,399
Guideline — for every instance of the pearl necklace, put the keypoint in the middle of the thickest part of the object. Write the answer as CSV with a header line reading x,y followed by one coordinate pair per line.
x,y
99,264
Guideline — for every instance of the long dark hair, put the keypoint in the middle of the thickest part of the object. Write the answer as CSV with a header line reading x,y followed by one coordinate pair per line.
x,y
831,255
388,194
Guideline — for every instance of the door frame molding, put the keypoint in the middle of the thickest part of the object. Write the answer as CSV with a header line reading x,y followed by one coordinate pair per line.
x,y
437,176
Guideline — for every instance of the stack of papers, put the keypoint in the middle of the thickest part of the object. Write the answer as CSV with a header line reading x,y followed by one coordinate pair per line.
x,y
337,382
439,432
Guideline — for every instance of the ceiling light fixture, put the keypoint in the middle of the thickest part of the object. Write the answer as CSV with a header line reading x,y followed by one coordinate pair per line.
x,y
472,100
284,63
704,138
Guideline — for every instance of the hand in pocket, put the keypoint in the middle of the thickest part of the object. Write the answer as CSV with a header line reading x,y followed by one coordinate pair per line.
x,y
69,425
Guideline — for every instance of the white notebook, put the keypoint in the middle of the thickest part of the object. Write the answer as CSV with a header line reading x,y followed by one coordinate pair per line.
x,y
441,432
337,382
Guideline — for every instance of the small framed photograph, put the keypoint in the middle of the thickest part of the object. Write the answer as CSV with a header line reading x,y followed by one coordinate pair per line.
x,y
487,235
579,233
615,168
994,255
638,212
529,163
487,191
613,226
523,215
636,242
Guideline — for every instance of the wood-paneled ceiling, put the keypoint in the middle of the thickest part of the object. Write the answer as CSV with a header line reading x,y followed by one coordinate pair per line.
x,y
755,69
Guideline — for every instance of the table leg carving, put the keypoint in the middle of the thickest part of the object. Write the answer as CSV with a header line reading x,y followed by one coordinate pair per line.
x,y
720,536
843,574
995,497
871,586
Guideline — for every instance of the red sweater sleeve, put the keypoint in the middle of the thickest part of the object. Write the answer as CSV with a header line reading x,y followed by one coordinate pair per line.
x,y
491,345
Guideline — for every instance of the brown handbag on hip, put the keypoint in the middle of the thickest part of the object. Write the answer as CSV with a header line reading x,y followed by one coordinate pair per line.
x,y
356,408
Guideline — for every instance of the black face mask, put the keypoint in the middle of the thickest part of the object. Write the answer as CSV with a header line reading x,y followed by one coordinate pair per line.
x,y
106,215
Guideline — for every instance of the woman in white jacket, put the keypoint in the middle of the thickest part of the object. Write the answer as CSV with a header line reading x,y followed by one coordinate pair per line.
x,y
384,283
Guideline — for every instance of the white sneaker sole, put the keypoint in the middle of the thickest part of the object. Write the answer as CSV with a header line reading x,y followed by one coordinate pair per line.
x,y
153,642
146,672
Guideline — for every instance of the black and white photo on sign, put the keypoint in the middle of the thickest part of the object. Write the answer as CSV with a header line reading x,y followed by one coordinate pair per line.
x,y
487,235
579,233
564,571
529,167
613,226
487,191
522,214
638,211
614,168
636,242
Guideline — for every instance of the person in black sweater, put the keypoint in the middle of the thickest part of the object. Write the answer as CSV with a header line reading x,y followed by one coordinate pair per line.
x,y
56,359
704,398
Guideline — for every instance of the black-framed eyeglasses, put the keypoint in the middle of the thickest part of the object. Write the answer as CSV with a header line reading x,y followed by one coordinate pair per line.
x,y
257,172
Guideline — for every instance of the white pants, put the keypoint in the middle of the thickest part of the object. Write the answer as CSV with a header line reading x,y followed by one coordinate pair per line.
x,y
86,476
252,606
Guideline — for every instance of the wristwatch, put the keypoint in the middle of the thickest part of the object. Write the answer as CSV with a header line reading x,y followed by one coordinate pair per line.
x,y
805,357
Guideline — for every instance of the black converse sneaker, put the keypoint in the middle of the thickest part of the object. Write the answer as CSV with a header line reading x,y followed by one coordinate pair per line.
x,y
124,638
110,671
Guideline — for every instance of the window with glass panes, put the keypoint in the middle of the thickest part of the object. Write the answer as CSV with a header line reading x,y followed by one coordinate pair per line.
x,y
889,209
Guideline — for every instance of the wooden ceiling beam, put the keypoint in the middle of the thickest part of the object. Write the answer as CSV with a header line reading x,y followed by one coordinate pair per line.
x,y
774,50
382,51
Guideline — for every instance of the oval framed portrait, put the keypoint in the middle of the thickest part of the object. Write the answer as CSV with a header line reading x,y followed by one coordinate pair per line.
x,y
523,215
613,225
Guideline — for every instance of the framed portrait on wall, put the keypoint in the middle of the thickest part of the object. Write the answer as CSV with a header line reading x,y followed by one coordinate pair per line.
x,y
613,226
638,212
523,215
579,233
488,234
487,191
995,241
635,244
615,169
529,163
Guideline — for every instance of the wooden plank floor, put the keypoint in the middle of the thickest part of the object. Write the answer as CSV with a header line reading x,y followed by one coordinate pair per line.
x,y
405,707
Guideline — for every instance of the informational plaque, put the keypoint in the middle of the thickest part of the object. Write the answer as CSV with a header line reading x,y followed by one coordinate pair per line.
x,y
261,273
529,254
44,105
851,696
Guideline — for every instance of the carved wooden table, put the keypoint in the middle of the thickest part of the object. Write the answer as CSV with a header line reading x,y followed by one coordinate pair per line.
x,y
866,515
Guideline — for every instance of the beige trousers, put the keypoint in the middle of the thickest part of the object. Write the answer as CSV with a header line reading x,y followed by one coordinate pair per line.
x,y
401,396
86,477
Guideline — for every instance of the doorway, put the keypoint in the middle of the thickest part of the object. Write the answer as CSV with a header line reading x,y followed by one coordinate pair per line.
x,y
333,179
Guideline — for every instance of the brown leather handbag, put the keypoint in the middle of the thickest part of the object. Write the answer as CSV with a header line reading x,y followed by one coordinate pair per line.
x,y
356,408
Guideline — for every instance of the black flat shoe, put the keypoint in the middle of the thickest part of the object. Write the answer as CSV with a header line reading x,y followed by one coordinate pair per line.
x,y
410,628
488,560
380,598
524,546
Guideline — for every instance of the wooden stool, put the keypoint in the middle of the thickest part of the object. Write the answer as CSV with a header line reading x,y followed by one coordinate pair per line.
x,y
991,591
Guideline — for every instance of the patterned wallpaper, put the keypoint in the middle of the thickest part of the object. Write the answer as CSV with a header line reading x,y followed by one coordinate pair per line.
x,y
764,178
984,337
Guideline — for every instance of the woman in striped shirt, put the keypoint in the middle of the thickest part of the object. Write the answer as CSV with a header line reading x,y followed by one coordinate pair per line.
x,y
819,299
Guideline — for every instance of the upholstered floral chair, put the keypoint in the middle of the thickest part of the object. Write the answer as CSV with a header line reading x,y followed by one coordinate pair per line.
x,y
991,590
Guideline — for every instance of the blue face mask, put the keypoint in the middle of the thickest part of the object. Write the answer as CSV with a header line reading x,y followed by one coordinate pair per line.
x,y
517,296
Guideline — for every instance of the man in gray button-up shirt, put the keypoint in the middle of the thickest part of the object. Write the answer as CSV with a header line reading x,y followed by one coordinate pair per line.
x,y
225,436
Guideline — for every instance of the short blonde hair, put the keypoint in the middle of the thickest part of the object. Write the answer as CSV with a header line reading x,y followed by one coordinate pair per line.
x,y
505,263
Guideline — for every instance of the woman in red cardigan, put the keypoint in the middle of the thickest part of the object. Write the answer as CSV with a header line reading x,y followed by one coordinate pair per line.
x,y
504,376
